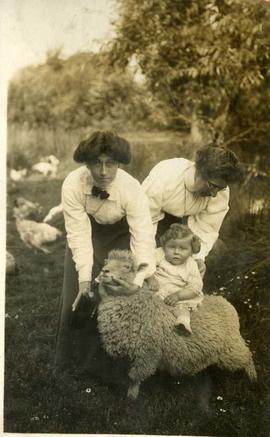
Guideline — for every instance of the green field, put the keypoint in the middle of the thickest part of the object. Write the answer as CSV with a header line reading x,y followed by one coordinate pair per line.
x,y
213,402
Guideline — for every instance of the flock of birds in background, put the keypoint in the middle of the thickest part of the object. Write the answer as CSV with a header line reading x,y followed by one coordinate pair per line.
x,y
46,167
34,234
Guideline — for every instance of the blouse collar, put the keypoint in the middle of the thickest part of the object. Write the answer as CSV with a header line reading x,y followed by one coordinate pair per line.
x,y
88,183
189,177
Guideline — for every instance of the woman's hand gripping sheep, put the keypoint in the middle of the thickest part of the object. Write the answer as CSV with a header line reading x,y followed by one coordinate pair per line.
x,y
84,292
83,307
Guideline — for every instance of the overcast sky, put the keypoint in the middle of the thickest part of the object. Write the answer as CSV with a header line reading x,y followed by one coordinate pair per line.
x,y
29,28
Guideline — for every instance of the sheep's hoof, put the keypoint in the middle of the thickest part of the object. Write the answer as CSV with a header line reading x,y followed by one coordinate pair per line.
x,y
251,372
133,391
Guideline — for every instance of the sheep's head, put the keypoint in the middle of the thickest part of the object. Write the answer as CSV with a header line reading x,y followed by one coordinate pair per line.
x,y
117,276
120,264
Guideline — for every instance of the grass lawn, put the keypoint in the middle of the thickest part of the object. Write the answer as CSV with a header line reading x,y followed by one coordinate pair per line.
x,y
213,402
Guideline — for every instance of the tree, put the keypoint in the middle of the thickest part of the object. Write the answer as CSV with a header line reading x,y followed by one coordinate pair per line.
x,y
80,91
207,61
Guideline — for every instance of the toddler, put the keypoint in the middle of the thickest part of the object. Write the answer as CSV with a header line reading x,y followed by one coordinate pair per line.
x,y
180,282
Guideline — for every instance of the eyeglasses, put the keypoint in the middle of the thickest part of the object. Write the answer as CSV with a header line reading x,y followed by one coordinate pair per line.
x,y
212,186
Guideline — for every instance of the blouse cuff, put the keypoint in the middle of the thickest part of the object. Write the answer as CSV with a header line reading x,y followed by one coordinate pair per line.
x,y
85,274
139,279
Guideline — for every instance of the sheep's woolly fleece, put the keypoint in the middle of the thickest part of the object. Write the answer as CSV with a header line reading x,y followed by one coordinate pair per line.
x,y
141,328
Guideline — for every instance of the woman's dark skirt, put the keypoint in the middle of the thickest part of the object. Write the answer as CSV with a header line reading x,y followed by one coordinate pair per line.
x,y
77,346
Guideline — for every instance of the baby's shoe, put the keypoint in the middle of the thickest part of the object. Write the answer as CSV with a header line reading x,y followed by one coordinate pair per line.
x,y
183,325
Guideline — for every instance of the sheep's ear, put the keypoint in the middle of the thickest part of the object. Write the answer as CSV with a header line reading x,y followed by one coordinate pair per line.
x,y
141,267
105,261
16,203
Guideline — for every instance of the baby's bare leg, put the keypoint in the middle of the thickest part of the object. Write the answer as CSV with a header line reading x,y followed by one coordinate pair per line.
x,y
182,315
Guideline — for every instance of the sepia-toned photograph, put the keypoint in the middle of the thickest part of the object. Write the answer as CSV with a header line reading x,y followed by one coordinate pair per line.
x,y
137,192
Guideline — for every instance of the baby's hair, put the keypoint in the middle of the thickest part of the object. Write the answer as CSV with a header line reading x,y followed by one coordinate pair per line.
x,y
179,231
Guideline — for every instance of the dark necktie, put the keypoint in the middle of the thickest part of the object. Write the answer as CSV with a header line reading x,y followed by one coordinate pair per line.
x,y
97,192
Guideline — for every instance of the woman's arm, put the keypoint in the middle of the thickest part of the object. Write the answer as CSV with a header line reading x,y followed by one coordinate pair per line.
x,y
154,192
78,228
142,241
206,224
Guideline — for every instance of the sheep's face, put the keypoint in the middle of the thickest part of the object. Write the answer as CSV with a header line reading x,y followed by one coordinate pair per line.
x,y
119,265
116,269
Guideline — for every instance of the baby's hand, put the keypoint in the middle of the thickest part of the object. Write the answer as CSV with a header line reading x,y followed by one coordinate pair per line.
x,y
172,299
152,283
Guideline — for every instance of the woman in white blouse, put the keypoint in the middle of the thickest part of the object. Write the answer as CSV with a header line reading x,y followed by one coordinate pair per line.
x,y
104,208
193,193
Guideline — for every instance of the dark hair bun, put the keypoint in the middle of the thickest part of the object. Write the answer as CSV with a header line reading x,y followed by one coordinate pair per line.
x,y
103,142
218,162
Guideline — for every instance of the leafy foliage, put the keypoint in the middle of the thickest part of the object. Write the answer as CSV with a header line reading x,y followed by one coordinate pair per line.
x,y
80,91
207,61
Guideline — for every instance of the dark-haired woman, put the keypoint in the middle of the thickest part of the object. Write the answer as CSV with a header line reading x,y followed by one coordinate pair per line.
x,y
193,193
104,208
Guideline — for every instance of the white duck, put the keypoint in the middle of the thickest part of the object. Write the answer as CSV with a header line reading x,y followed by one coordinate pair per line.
x,y
47,167
18,175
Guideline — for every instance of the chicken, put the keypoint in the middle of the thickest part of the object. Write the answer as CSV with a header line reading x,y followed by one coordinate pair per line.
x,y
11,265
24,208
32,233
17,175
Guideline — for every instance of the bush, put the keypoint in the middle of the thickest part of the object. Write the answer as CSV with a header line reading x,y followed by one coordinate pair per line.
x,y
80,91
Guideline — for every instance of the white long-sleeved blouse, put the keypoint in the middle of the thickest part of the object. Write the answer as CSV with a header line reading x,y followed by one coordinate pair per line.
x,y
127,198
169,188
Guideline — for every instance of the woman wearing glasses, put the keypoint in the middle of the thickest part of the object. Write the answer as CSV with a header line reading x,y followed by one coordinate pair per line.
x,y
105,208
193,193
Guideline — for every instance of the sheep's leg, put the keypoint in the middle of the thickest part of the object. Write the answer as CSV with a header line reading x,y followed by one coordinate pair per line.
x,y
133,390
141,369
237,356
250,370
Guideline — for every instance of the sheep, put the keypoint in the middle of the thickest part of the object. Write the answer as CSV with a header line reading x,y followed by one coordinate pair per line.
x,y
140,327
17,175
32,233
11,265
47,167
